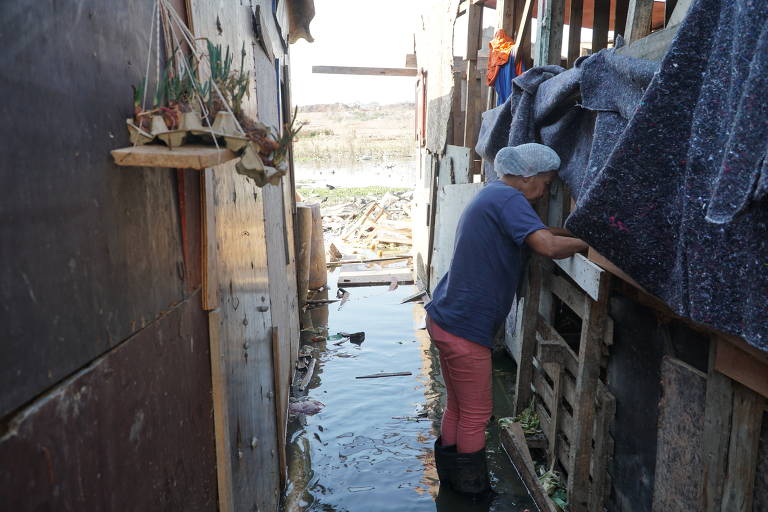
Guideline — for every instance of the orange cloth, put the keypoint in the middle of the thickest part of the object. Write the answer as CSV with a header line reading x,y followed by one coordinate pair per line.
x,y
501,48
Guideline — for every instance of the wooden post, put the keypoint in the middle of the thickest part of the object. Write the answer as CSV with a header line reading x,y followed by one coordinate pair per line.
x,y
528,338
620,17
458,112
600,25
590,353
574,31
522,36
505,16
318,273
304,243
638,20
220,415
738,489
281,412
474,99
717,428
549,43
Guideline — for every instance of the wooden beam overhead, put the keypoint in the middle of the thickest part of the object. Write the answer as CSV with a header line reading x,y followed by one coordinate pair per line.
x,y
354,70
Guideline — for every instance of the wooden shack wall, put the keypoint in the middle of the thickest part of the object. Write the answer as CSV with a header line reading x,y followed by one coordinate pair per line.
x,y
107,394
105,400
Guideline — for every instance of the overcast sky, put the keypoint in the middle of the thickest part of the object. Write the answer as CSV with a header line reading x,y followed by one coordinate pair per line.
x,y
355,33
371,33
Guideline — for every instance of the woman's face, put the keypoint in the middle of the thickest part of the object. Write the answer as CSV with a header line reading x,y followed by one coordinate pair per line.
x,y
537,186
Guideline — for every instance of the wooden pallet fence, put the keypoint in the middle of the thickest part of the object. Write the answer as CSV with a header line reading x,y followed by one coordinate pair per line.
x,y
574,406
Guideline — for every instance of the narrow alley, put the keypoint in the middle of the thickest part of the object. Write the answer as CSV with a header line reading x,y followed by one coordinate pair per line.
x,y
370,445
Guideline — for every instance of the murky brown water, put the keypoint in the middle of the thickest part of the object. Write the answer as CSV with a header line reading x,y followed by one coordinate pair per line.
x,y
370,448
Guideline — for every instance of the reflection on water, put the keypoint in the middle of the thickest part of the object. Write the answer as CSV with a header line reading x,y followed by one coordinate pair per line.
x,y
370,448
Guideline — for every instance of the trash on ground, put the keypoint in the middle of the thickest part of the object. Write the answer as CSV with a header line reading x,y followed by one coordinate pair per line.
x,y
308,406
379,375
355,337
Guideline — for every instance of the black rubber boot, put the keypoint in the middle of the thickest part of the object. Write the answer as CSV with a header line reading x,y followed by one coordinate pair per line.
x,y
470,476
444,460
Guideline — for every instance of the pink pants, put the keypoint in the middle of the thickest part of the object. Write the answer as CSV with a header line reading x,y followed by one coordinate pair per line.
x,y
466,369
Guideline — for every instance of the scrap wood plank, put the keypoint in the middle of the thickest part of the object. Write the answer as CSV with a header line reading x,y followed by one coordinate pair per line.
x,y
183,157
585,273
281,414
599,490
513,441
376,277
590,354
220,414
738,489
568,294
680,431
717,428
743,363
528,338
549,42
359,70
210,284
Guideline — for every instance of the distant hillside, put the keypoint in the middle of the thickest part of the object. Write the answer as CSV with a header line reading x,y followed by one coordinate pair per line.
x,y
339,134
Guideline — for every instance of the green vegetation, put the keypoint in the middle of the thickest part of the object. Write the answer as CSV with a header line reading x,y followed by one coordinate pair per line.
x,y
552,484
340,135
529,420
344,195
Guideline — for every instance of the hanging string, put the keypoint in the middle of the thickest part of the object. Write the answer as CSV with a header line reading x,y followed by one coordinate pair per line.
x,y
149,54
189,37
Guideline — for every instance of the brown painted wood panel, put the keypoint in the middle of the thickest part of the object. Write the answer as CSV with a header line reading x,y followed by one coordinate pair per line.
x,y
133,431
89,252
681,429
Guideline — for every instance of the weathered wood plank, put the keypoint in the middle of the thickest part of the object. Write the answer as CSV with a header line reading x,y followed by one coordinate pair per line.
x,y
528,339
742,363
505,16
600,490
600,25
678,478
375,278
760,501
590,353
184,157
606,264
473,101
585,273
523,33
717,428
513,440
620,17
450,201
361,70
210,295
638,20
574,31
549,43
220,414
566,292
748,410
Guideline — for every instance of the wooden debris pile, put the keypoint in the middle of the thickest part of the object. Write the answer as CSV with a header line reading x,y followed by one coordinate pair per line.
x,y
376,223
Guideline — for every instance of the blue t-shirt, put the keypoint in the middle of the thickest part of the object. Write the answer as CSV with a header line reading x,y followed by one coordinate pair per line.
x,y
474,297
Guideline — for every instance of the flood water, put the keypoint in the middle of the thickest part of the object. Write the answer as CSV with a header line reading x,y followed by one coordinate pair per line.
x,y
370,448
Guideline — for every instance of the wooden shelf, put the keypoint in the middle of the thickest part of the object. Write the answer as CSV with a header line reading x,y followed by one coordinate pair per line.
x,y
184,157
